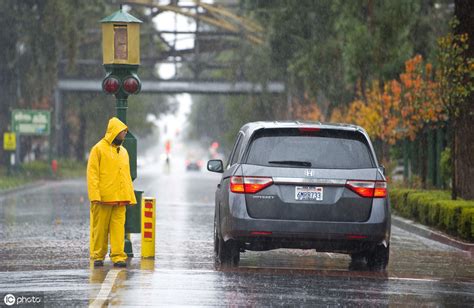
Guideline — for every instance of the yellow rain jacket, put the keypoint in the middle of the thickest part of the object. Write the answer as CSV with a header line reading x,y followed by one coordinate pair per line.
x,y
108,169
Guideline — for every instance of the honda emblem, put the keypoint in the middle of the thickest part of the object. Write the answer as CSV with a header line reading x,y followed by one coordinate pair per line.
x,y
309,172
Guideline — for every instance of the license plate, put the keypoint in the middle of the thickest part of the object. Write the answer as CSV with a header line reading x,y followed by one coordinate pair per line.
x,y
308,193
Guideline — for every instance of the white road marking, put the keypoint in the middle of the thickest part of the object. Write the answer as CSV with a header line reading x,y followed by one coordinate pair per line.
x,y
106,288
414,279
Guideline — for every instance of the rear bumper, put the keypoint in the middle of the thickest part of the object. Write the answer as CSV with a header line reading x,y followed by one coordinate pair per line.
x,y
332,245
320,235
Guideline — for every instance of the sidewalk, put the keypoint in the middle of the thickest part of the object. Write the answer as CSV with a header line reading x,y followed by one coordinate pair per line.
x,y
432,234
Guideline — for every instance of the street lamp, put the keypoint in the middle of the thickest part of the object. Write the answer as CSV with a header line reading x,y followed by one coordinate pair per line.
x,y
121,59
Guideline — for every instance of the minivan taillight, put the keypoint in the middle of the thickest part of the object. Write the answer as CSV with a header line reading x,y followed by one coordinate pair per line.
x,y
380,190
249,184
368,189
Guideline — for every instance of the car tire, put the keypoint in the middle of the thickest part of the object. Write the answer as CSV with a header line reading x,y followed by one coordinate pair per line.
x,y
359,257
378,258
358,261
226,253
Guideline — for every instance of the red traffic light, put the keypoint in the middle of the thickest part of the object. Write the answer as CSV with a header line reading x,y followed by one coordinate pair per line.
x,y
111,85
131,85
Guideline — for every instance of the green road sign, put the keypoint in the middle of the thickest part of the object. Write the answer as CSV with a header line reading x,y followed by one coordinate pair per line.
x,y
31,122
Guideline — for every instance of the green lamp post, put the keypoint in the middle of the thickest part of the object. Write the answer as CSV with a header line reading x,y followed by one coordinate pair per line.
x,y
121,59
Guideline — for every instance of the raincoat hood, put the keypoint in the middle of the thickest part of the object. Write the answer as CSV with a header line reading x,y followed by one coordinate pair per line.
x,y
114,127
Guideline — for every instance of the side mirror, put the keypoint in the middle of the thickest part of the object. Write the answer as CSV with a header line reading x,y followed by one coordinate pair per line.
x,y
215,165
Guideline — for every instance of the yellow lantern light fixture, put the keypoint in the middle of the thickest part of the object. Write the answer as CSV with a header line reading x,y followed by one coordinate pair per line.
x,y
121,39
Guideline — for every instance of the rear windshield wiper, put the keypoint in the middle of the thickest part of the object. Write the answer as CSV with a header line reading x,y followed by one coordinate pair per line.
x,y
291,162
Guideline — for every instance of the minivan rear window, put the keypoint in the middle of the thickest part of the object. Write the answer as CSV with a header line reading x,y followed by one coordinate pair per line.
x,y
325,149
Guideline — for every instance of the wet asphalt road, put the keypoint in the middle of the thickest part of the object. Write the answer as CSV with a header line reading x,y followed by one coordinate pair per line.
x,y
44,234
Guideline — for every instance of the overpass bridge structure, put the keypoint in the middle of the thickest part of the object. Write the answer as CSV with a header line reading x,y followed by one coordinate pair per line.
x,y
218,29
181,86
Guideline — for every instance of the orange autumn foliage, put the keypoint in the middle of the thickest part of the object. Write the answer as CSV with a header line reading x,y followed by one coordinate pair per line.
x,y
310,112
421,103
399,108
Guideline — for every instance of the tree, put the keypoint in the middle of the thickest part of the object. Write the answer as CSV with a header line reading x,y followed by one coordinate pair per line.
x,y
456,59
375,38
334,53
304,50
329,51
33,35
41,40
400,108
420,103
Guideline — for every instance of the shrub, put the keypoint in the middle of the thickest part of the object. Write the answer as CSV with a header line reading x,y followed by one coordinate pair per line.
x,y
425,203
71,168
420,203
36,169
466,223
433,214
398,199
446,166
450,214
436,209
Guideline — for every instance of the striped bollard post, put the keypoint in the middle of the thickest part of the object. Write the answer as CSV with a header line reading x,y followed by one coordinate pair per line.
x,y
148,227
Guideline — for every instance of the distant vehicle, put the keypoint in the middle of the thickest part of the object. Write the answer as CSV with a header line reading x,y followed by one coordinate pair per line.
x,y
193,164
302,185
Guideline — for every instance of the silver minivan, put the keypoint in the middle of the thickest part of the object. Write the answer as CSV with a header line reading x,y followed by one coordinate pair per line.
x,y
302,185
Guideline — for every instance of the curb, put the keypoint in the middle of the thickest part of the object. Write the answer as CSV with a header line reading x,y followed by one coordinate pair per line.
x,y
29,186
424,231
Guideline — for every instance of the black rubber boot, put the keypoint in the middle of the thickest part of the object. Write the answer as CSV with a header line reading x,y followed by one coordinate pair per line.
x,y
120,264
98,263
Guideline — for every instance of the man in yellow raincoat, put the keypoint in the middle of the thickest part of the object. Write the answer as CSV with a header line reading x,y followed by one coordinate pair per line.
x,y
110,189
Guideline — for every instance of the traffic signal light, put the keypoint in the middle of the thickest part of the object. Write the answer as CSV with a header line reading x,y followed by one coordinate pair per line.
x,y
129,84
111,85
215,145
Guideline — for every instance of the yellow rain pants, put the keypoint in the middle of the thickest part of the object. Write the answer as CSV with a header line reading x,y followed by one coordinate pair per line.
x,y
107,219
